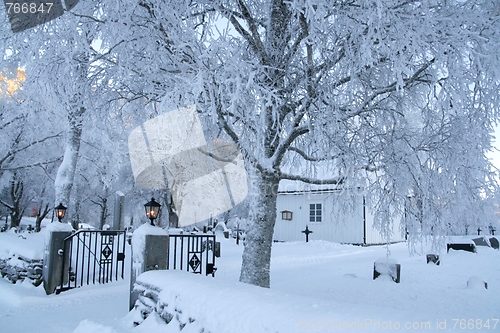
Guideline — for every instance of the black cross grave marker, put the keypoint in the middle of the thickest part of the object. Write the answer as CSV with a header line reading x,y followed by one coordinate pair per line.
x,y
492,230
238,234
307,232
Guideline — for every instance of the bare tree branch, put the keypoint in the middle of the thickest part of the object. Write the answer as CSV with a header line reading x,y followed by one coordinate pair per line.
x,y
9,206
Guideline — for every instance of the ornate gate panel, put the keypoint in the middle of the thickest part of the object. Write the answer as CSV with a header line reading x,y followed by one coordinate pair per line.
x,y
92,256
194,253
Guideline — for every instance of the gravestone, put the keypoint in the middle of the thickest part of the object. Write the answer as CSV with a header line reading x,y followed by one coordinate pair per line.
x,y
475,282
469,247
434,258
480,241
389,268
494,243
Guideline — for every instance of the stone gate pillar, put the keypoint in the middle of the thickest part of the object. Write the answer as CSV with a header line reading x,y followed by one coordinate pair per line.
x,y
53,255
118,216
149,252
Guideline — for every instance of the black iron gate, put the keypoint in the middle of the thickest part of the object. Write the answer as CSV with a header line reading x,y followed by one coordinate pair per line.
x,y
92,256
194,253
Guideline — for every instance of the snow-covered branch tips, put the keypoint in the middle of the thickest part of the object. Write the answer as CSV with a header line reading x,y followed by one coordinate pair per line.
x,y
28,14
205,178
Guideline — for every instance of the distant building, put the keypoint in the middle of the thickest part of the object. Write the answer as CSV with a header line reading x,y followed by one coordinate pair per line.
x,y
331,214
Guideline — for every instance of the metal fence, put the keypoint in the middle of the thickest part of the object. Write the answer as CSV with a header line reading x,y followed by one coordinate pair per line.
x,y
194,253
98,256
92,256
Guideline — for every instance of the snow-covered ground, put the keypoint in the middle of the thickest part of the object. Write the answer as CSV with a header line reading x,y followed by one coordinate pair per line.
x,y
332,282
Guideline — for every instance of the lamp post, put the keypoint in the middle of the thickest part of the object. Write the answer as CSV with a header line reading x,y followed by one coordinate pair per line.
x,y
152,210
60,211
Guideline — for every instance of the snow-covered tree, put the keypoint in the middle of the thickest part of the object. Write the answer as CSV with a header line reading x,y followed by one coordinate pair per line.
x,y
104,167
58,57
27,156
25,129
15,203
401,95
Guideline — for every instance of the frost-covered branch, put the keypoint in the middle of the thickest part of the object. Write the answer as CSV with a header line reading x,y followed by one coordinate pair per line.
x,y
252,37
388,89
31,144
9,156
6,204
310,158
10,122
287,142
216,156
31,165
312,180
95,19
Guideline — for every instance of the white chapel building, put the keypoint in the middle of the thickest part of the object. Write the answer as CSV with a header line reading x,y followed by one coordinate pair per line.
x,y
332,214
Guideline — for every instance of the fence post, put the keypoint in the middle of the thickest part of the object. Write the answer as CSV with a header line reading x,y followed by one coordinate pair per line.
x,y
149,252
53,256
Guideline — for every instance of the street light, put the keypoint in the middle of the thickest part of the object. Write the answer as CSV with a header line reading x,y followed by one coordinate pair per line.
x,y
152,210
60,211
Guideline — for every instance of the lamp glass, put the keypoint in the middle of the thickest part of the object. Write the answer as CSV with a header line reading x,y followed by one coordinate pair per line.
x,y
60,211
152,209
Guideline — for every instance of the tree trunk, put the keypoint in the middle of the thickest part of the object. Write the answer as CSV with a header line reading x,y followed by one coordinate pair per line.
x,y
15,218
255,268
104,211
66,172
40,216
16,194
173,219
75,217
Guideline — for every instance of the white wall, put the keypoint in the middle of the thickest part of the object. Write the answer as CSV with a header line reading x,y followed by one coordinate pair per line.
x,y
340,223
373,236
343,216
